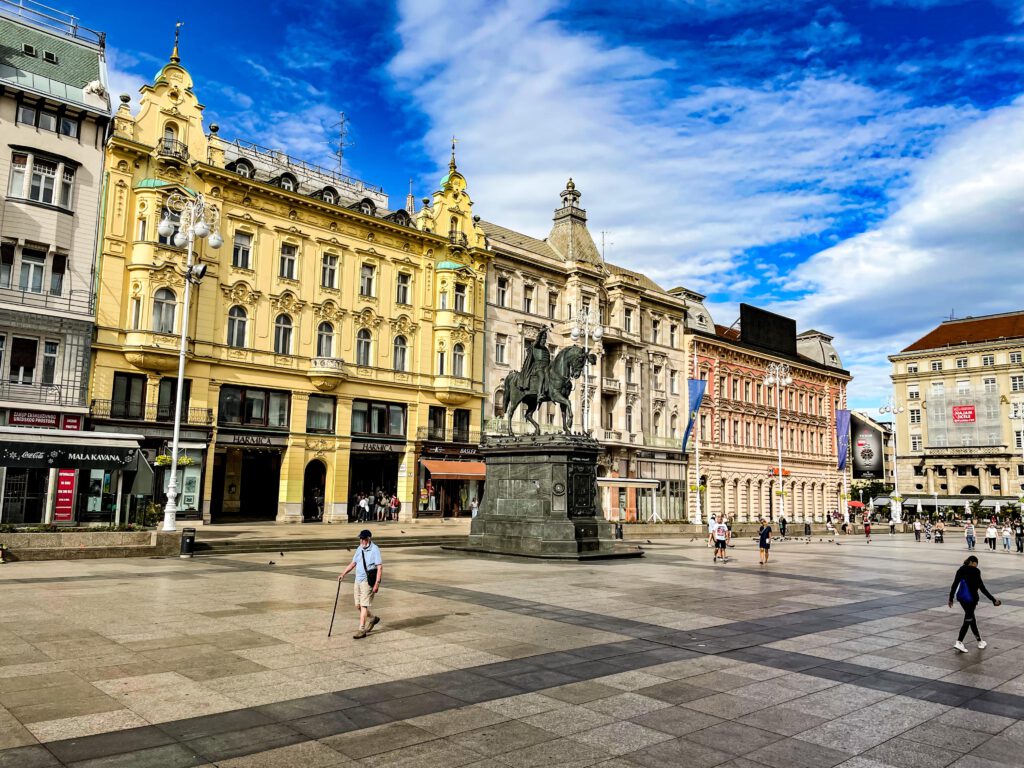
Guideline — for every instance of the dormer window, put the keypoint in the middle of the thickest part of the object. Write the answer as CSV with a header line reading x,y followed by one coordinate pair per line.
x,y
366,208
287,183
28,50
244,169
329,195
49,57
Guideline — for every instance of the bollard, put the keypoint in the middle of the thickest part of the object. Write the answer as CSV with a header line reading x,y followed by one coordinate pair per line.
x,y
188,542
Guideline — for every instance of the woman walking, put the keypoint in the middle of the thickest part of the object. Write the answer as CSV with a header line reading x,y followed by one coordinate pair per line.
x,y
1007,533
969,534
764,540
966,585
990,536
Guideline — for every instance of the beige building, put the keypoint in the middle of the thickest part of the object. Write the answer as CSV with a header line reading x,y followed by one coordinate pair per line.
x,y
54,114
635,394
962,388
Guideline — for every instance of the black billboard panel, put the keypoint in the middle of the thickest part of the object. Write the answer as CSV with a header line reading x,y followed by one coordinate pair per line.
x,y
767,330
866,449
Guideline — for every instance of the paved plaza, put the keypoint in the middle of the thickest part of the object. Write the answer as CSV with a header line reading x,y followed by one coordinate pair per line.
x,y
829,656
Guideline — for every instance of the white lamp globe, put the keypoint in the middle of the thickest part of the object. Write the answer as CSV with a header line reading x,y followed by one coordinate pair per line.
x,y
165,228
575,334
201,228
788,381
180,239
598,333
216,241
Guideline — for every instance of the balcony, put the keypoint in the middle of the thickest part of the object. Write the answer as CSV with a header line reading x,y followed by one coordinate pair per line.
x,y
613,435
117,410
79,302
957,451
611,386
172,149
453,390
326,373
442,435
657,441
632,388
43,394
455,237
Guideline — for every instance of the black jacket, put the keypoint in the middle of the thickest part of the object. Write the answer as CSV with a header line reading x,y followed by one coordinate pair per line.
x,y
972,575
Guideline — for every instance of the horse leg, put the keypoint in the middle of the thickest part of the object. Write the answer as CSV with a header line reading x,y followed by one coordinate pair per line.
x,y
530,410
566,406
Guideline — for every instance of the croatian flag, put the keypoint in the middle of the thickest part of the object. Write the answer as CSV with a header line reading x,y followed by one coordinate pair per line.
x,y
695,389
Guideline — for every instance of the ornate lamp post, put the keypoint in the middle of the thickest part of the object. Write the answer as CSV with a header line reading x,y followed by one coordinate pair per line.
x,y
195,219
778,377
893,407
588,326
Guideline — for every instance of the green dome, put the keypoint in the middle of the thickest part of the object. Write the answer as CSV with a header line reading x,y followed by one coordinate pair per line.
x,y
450,265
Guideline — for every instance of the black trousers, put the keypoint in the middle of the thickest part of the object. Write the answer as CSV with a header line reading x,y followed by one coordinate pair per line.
x,y
969,621
1020,543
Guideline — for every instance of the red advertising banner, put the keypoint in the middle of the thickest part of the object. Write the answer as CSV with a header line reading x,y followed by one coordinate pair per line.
x,y
64,506
71,421
963,414
32,419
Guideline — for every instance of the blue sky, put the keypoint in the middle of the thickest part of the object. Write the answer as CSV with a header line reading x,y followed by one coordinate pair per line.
x,y
858,165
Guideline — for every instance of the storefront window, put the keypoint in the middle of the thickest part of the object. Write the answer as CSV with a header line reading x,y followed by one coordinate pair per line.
x,y
254,407
320,416
375,418
396,420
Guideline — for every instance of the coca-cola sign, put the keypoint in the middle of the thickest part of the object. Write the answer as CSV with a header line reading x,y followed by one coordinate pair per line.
x,y
65,456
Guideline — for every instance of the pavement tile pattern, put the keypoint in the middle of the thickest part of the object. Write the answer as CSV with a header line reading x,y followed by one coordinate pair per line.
x,y
829,656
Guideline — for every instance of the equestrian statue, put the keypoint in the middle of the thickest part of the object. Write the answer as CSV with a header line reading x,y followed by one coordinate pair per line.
x,y
544,380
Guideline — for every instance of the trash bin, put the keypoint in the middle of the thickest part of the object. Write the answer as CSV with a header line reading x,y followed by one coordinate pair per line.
x,y
618,531
807,530
188,542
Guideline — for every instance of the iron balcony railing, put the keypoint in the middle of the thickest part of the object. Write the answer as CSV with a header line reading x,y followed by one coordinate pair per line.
x,y
79,302
43,394
442,435
172,148
44,16
117,410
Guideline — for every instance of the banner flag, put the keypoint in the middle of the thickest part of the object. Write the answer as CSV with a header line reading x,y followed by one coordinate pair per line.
x,y
695,388
843,436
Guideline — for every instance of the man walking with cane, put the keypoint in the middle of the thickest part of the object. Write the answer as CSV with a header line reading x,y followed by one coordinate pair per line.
x,y
369,570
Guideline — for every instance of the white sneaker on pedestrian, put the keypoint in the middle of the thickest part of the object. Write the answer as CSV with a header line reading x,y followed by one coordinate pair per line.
x,y
982,644
960,646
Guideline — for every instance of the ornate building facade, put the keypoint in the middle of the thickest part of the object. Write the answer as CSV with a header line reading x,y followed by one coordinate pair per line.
x,y
331,343
961,387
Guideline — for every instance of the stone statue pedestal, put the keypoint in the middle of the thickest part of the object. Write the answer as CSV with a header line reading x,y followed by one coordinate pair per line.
x,y
541,501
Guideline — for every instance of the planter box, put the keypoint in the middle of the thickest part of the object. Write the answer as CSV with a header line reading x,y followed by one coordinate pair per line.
x,y
86,545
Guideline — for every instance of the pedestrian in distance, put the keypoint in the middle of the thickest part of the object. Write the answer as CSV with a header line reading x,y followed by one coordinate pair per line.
x,y
712,524
969,534
892,526
867,529
764,540
917,530
721,537
782,526
940,532
1018,532
1007,533
369,568
990,536
474,507
966,585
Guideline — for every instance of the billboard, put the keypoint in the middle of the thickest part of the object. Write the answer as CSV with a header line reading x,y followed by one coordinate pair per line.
x,y
866,449
767,330
963,414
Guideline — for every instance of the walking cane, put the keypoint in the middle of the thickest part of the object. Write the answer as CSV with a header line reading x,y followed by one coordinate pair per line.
x,y
336,595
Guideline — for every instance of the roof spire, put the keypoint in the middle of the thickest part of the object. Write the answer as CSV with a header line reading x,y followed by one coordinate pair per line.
x,y
410,201
451,165
175,58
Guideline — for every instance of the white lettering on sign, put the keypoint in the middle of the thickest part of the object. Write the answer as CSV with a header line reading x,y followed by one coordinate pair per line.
x,y
251,440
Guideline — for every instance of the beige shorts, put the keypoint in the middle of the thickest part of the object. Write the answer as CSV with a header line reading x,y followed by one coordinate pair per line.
x,y
363,594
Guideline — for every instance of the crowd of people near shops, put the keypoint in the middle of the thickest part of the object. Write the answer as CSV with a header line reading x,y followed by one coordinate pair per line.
x,y
377,507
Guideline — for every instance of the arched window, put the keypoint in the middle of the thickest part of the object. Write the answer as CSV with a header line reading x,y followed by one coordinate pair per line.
x,y
287,183
458,361
400,348
363,347
629,418
237,319
329,195
170,134
325,340
243,169
674,426
164,302
499,403
657,423
283,335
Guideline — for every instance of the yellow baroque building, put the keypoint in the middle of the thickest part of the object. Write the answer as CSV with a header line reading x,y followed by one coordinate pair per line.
x,y
335,346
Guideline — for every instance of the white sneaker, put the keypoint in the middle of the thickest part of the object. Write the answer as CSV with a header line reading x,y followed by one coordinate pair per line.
x,y
982,644
960,647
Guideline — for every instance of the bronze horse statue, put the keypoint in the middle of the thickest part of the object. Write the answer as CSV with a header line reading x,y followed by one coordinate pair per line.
x,y
555,388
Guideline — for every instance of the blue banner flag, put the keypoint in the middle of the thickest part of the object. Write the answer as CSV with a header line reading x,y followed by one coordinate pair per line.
x,y
695,388
843,436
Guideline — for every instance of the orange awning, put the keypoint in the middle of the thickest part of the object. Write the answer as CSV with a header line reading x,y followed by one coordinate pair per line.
x,y
455,470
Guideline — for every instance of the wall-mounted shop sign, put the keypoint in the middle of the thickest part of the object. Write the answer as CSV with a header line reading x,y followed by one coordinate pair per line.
x,y
370,446
42,454
254,440
32,419
442,450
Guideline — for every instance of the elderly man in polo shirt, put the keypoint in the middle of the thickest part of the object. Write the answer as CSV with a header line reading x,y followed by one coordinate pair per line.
x,y
369,570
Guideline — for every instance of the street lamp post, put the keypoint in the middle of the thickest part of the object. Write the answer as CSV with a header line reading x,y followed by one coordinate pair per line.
x,y
195,219
778,377
587,326
891,406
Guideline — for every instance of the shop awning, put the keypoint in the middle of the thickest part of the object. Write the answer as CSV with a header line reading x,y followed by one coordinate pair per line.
x,y
627,482
455,470
68,449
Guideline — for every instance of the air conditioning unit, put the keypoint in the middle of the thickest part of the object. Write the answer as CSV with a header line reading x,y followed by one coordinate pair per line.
x,y
28,50
50,58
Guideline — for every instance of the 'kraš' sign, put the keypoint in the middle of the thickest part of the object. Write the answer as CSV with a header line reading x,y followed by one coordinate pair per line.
x,y
64,456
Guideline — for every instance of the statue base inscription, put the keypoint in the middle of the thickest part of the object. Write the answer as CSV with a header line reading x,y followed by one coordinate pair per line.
x,y
541,501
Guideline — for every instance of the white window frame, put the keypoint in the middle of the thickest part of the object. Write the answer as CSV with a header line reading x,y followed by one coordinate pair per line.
x,y
237,328
329,271
403,287
161,309
400,354
367,275
500,348
241,250
961,362
283,333
988,360
364,347
325,339
288,261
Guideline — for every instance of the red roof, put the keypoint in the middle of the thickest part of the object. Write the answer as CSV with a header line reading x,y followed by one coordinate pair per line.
x,y
972,330
727,333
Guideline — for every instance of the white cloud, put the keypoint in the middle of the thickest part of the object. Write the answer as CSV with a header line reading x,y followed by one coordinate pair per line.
x,y
121,78
955,244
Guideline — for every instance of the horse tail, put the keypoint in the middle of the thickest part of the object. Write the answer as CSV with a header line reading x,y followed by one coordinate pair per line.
x,y
506,395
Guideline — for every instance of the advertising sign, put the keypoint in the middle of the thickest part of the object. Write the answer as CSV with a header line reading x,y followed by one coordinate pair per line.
x,y
32,419
50,455
963,414
64,503
866,449
71,421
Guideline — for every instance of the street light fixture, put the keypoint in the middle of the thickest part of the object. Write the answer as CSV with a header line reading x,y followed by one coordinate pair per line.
x,y
891,406
587,326
778,377
195,219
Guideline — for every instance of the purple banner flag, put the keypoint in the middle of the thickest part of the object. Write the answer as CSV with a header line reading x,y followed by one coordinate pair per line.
x,y
695,388
843,436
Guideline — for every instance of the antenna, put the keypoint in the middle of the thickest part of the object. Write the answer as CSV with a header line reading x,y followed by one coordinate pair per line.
x,y
604,234
952,314
343,140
